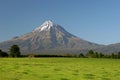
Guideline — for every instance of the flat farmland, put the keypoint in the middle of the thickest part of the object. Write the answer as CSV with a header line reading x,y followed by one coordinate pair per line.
x,y
59,69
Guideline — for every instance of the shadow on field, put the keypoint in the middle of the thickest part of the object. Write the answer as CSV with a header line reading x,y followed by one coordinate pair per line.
x,y
89,76
75,72
45,76
64,79
57,69
105,79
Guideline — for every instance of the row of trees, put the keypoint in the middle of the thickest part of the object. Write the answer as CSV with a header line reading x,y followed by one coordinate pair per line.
x,y
13,52
92,54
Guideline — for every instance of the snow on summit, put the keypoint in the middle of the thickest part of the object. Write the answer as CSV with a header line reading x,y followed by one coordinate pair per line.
x,y
45,26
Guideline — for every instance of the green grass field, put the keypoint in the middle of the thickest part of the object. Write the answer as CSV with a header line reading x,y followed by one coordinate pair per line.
x,y
59,69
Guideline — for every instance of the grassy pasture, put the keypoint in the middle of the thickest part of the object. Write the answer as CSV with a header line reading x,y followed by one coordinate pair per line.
x,y
59,69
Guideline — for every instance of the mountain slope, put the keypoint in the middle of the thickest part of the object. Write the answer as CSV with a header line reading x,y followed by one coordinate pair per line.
x,y
49,38
112,48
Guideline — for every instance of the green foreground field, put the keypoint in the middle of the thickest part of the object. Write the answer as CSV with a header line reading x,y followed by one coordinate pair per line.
x,y
59,69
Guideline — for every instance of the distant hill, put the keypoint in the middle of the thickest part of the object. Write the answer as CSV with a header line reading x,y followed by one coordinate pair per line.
x,y
49,38
112,48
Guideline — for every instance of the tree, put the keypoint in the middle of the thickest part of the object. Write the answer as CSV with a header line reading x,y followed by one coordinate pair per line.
x,y
3,54
101,55
15,51
118,55
112,55
96,55
90,54
81,55
0,53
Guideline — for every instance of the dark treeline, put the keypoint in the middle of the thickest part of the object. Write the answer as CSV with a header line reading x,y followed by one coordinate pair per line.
x,y
93,54
89,54
14,51
38,55
3,54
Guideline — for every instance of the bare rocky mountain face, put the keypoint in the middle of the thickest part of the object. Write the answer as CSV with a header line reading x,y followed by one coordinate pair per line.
x,y
49,38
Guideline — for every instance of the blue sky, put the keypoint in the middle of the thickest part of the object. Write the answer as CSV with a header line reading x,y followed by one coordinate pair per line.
x,y
93,20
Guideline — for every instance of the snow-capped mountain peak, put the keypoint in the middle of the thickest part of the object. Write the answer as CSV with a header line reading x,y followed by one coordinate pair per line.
x,y
49,38
45,26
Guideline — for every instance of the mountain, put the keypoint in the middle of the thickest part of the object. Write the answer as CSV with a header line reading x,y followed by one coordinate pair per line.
x,y
108,49
49,38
